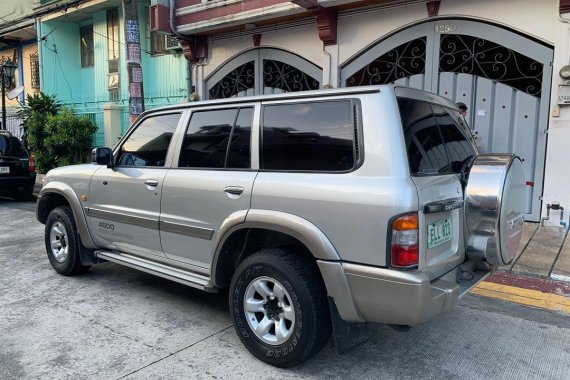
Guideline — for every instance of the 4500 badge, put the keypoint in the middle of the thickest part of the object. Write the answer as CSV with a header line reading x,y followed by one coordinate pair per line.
x,y
107,226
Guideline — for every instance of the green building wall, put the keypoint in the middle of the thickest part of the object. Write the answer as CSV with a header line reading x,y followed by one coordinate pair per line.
x,y
165,76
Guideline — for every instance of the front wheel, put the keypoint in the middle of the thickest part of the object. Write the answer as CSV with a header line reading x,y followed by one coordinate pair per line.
x,y
62,242
279,308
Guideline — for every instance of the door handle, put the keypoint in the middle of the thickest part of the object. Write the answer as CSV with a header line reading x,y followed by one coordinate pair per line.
x,y
151,182
235,190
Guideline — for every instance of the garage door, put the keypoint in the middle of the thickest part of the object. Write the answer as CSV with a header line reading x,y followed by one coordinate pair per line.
x,y
503,77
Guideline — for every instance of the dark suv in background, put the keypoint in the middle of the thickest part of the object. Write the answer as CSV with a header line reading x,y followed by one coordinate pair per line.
x,y
17,168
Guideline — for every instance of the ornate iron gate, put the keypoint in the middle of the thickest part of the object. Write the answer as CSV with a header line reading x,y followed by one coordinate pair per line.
x,y
263,71
503,77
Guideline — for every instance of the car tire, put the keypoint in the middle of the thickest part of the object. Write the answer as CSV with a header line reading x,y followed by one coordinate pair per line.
x,y
279,307
62,242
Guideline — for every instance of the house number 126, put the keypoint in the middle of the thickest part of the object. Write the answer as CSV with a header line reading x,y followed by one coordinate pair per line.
x,y
446,28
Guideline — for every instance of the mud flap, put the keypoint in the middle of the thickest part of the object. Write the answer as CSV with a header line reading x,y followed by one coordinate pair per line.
x,y
87,256
346,335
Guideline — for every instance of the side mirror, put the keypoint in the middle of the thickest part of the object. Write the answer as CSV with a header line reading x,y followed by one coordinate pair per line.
x,y
102,156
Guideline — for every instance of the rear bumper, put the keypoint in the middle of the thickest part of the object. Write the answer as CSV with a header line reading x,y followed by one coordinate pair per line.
x,y
388,296
10,185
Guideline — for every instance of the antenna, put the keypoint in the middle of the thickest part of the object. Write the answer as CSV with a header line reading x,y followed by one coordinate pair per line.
x,y
15,92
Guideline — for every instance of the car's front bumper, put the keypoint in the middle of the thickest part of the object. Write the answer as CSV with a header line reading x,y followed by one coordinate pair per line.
x,y
390,296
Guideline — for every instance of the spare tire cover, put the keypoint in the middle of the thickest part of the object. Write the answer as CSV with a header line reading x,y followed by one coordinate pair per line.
x,y
495,202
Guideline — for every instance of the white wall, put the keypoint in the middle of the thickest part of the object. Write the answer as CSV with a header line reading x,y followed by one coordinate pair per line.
x,y
303,41
557,174
536,18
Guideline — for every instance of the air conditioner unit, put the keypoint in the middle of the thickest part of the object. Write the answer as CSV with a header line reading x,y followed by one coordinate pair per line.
x,y
171,43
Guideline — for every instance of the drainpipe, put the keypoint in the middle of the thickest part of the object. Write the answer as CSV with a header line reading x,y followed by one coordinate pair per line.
x,y
328,85
189,85
171,22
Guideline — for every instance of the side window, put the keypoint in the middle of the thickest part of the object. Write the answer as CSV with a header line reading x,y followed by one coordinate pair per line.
x,y
457,144
316,136
218,139
148,144
426,151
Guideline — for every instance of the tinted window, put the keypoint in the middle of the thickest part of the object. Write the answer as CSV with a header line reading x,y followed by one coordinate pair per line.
x,y
238,155
457,144
4,144
16,148
11,146
426,151
148,144
309,136
217,139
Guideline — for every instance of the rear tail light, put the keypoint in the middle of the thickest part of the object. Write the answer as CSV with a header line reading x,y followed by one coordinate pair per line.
x,y
405,251
31,163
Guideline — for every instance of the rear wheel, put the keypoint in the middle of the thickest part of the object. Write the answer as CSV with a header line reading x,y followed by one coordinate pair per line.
x,y
62,242
279,308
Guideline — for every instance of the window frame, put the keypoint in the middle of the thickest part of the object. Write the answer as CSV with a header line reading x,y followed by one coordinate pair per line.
x,y
87,57
357,140
254,135
171,146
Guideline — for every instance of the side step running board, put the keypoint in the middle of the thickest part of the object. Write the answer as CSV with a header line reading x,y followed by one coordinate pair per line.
x,y
184,277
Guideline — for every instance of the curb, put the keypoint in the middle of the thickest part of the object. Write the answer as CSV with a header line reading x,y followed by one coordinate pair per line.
x,y
524,290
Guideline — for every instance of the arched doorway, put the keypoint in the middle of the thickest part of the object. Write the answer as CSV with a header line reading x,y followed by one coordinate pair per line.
x,y
503,77
263,71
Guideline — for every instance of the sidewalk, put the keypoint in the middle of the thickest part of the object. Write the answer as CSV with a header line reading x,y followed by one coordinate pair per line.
x,y
539,276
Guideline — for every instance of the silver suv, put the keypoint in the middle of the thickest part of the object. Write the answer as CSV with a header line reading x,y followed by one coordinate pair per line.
x,y
319,210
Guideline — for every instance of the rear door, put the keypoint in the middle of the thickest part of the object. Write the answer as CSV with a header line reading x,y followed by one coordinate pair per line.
x,y
211,181
438,149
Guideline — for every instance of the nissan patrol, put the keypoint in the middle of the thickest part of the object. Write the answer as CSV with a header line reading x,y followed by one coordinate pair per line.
x,y
318,210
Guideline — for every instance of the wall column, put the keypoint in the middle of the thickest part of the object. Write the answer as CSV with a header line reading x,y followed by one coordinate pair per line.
x,y
111,123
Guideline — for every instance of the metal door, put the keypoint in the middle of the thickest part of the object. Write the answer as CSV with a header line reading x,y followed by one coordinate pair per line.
x,y
263,71
503,77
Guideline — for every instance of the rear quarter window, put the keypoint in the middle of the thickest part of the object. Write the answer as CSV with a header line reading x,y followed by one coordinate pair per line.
x,y
316,136
435,142
16,147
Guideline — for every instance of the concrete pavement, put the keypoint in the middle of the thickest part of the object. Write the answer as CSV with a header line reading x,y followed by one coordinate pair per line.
x,y
115,322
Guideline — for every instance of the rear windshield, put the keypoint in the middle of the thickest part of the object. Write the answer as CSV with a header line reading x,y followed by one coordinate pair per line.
x,y
11,146
437,140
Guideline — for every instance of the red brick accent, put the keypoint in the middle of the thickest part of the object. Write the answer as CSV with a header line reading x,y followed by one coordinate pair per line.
x,y
564,6
226,10
186,3
327,25
433,8
533,283
256,40
195,49
159,16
